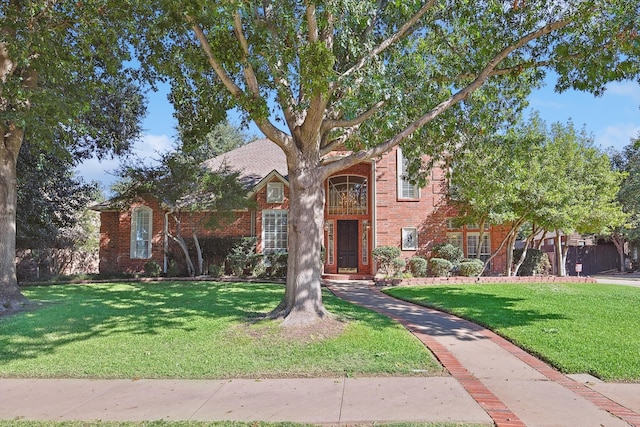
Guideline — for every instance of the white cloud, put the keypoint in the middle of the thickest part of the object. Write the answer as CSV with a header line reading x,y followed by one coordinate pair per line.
x,y
617,136
627,89
148,149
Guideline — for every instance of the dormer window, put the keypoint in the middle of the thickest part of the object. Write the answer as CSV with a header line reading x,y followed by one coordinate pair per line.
x,y
275,192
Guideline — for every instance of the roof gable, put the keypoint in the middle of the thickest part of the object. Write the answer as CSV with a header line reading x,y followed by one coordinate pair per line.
x,y
255,161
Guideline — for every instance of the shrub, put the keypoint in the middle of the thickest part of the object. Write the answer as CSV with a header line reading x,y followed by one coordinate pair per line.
x,y
384,256
276,264
451,253
242,257
152,269
418,266
216,270
398,265
471,267
440,267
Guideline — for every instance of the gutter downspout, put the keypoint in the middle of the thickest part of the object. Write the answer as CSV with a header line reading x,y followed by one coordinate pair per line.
x,y
165,266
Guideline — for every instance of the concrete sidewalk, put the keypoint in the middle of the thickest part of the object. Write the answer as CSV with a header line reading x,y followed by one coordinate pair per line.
x,y
515,388
491,382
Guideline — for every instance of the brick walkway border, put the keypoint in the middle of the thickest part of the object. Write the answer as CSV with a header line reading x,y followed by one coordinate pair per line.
x,y
495,408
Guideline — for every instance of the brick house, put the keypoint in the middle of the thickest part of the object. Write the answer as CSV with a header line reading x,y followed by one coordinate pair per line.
x,y
367,205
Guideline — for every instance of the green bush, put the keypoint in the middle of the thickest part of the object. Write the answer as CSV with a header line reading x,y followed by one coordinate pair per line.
x,y
440,267
216,270
242,257
418,266
398,265
276,263
471,267
152,269
384,257
451,253
535,262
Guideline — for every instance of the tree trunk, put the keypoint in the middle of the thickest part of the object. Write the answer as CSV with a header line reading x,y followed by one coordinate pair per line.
x,y
10,295
196,242
183,245
562,271
302,302
618,241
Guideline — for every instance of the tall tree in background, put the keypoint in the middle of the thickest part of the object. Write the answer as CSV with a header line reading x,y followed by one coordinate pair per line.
x,y
186,188
628,161
60,64
552,178
370,75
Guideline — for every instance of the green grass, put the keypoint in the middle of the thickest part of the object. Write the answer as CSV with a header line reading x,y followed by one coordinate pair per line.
x,y
192,330
579,328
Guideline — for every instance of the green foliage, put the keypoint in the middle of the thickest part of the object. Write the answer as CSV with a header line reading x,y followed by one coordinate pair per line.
x,y
398,265
418,266
276,263
440,267
535,262
152,269
627,161
578,328
216,270
384,257
242,257
471,268
451,253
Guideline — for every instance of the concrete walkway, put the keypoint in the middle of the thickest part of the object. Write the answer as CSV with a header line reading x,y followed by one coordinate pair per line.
x,y
491,382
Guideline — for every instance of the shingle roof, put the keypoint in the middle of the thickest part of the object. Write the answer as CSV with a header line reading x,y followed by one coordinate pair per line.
x,y
254,161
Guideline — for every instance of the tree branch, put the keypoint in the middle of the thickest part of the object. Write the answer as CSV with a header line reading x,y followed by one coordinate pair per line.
x,y
247,69
484,75
270,131
332,124
390,41
312,22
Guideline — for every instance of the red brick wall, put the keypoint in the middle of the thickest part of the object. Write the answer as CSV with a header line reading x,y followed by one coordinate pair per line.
x,y
428,215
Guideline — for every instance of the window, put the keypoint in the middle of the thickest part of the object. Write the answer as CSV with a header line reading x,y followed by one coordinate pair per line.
x,y
275,192
406,190
455,239
330,242
274,231
409,238
472,246
141,232
347,195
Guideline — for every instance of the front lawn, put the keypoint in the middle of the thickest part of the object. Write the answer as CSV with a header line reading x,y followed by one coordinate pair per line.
x,y
194,330
579,328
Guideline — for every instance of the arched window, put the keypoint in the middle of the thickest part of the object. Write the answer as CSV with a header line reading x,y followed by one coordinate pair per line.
x,y
347,195
141,220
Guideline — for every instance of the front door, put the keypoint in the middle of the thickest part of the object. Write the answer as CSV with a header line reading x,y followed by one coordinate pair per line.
x,y
347,246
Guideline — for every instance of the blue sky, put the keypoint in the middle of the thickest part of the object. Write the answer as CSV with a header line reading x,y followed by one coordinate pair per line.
x,y
613,119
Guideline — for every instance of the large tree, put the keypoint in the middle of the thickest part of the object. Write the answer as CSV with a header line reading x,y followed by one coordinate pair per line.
x,y
369,75
627,160
183,186
552,179
60,66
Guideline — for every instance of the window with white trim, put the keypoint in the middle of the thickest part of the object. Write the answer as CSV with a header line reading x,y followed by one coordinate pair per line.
x,y
409,238
274,231
472,246
275,192
406,190
141,220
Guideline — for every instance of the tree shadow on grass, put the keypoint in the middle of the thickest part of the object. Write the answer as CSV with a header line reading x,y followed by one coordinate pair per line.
x,y
492,311
73,313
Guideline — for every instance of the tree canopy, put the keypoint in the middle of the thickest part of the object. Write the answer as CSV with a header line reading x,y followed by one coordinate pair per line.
x,y
552,178
65,88
369,75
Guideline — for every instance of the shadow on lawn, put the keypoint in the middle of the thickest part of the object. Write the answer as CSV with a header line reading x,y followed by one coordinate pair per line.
x,y
71,313
482,308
